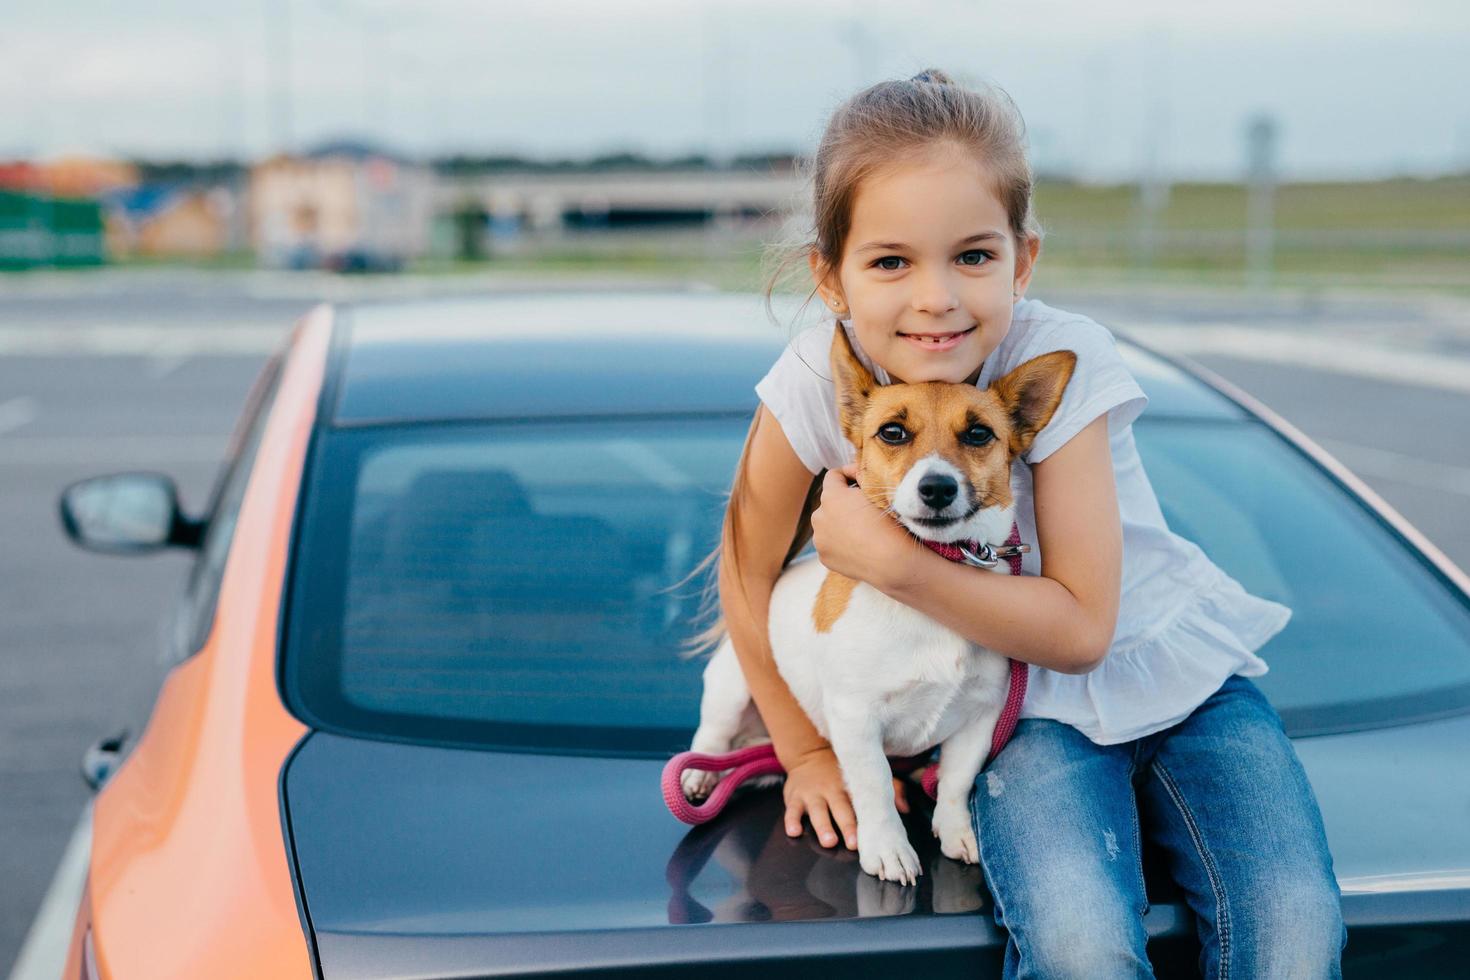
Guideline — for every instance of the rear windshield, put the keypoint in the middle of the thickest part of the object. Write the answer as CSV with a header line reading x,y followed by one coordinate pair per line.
x,y
522,584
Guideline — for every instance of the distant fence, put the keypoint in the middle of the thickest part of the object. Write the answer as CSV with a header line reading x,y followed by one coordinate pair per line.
x,y
38,231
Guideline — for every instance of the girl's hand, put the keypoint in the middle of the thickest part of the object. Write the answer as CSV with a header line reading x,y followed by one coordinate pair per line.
x,y
855,538
814,788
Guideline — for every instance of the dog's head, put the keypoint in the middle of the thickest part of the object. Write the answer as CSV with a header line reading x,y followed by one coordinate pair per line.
x,y
939,455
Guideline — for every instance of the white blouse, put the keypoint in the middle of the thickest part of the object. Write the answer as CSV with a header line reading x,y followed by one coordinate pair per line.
x,y
1184,626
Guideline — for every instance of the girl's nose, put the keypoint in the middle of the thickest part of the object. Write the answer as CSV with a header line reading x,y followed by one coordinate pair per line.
x,y
932,294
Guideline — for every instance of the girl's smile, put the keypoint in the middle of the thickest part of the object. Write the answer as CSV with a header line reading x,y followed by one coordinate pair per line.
x,y
936,341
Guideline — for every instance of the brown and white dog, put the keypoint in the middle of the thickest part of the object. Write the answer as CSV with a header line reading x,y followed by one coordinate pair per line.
x,y
877,677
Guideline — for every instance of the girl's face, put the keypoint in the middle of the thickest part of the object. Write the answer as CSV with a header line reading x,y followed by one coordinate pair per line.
x,y
930,270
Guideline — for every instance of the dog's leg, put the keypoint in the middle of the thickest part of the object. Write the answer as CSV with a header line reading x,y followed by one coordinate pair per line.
x,y
883,843
960,759
722,710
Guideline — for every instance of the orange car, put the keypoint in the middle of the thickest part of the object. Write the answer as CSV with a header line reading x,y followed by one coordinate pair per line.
x,y
190,872
432,675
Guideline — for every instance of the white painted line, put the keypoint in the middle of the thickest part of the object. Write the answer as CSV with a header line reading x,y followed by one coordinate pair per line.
x,y
1315,351
121,340
43,954
167,358
1412,470
116,452
161,367
16,412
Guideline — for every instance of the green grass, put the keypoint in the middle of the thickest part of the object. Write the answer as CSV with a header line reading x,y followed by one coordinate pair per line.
x,y
1384,235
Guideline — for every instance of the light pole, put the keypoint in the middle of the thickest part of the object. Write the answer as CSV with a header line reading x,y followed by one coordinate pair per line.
x,y
1260,139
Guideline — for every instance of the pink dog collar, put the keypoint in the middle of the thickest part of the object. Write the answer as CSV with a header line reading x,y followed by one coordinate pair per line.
x,y
760,760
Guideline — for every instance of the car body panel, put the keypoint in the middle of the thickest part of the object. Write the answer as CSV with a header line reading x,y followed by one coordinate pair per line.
x,y
188,832
413,862
415,858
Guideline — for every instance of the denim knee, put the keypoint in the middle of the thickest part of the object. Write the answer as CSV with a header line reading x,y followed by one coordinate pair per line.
x,y
1079,940
1296,932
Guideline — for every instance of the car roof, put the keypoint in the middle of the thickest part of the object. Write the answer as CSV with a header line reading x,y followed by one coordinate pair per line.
x,y
582,354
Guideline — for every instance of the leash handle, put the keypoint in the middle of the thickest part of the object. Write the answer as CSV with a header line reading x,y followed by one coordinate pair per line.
x,y
749,763
758,760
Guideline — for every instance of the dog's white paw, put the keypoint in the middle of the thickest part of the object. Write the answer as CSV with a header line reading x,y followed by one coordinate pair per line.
x,y
698,784
885,851
956,835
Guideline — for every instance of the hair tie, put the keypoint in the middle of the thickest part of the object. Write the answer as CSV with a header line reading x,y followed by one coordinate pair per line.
x,y
922,76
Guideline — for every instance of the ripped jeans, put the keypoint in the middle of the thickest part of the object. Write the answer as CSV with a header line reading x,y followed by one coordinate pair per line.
x,y
1059,818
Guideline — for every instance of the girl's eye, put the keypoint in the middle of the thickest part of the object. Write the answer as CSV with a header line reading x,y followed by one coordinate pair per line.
x,y
893,434
974,257
976,435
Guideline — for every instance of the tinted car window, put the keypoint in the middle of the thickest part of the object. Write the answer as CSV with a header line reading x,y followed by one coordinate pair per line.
x,y
517,584
1373,636
509,583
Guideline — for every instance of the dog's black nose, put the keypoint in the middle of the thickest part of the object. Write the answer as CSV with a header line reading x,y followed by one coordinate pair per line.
x,y
938,490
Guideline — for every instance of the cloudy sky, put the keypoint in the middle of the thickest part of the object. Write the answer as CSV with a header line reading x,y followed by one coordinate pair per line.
x,y
1359,88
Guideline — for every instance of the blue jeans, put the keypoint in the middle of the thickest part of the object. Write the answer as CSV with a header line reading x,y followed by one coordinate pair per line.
x,y
1059,821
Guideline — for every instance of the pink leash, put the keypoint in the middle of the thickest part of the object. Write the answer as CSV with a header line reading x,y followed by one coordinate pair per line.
x,y
760,760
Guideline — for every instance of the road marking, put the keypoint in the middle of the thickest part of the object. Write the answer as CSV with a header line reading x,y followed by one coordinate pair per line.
x,y
1412,470
43,954
113,451
167,358
16,412
162,367
1317,351
120,340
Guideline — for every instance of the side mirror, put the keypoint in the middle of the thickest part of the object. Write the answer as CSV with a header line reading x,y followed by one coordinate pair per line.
x,y
102,759
127,514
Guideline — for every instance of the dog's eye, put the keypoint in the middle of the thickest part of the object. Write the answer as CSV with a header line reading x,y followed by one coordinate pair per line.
x,y
976,435
893,434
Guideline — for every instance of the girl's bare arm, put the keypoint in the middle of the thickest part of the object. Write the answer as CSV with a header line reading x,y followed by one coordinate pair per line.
x,y
776,485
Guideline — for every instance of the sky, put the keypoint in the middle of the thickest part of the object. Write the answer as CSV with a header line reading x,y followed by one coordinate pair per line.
x,y
1357,89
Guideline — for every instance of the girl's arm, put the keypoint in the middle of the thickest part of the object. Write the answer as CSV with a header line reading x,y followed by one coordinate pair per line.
x,y
775,488
1063,619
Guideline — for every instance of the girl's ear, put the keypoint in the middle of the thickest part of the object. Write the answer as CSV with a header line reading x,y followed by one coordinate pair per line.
x,y
854,384
1026,255
1031,394
822,278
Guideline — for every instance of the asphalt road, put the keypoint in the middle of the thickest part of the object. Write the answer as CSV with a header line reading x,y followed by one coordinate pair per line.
x,y
140,372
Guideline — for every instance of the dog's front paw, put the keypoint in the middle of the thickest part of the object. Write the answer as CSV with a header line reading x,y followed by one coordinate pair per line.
x,y
698,784
885,851
956,835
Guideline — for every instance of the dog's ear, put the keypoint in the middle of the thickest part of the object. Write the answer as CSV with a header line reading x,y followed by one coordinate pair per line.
x,y
1031,393
854,384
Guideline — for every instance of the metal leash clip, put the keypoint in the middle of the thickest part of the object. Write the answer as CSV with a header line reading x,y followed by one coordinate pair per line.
x,y
989,556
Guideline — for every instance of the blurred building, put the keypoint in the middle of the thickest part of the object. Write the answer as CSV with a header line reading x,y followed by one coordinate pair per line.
x,y
345,206
163,220
84,177
47,216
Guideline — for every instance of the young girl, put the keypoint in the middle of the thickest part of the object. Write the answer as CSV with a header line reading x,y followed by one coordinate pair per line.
x,y
1139,721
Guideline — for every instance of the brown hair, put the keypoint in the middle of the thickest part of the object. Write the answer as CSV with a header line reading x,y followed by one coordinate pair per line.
x,y
882,127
